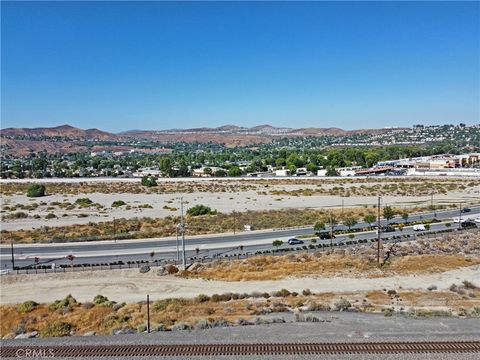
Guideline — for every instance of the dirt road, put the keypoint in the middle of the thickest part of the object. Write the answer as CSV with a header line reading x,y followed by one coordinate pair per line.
x,y
130,286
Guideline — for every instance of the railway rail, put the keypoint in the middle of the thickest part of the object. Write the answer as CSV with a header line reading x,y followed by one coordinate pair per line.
x,y
192,350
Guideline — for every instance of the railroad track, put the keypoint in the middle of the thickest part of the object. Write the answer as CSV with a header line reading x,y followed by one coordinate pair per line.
x,y
192,350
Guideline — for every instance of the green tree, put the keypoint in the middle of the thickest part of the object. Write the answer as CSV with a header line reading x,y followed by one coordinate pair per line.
x,y
388,213
200,209
207,171
405,216
36,190
234,171
349,220
149,181
220,173
370,219
166,166
277,243
331,171
319,226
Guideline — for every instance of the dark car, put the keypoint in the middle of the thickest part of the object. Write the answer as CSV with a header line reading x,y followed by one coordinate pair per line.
x,y
325,235
388,229
466,210
467,224
294,241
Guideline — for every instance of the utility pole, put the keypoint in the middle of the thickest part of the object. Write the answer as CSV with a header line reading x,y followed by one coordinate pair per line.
x,y
13,258
343,204
178,247
378,231
148,314
331,230
182,229
234,222
431,205
460,216
114,230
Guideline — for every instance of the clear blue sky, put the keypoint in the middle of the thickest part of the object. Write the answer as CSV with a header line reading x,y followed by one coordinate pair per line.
x,y
153,65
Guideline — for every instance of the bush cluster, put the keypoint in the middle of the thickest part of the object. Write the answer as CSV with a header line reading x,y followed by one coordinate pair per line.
x,y
36,190
27,306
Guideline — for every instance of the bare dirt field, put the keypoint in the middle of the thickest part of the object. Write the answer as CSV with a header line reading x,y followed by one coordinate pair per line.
x,y
129,285
60,207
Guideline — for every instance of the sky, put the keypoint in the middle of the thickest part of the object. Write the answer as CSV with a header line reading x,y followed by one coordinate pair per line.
x,y
119,66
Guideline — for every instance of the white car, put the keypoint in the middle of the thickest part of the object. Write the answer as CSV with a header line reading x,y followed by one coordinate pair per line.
x,y
419,227
457,220
477,219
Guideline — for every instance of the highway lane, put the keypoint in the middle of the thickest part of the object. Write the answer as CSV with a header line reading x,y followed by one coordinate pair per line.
x,y
207,239
132,250
169,252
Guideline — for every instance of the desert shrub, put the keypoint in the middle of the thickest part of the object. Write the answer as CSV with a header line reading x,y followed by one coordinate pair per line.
x,y
102,301
202,298
306,318
203,324
145,206
468,285
200,209
115,319
50,216
36,190
181,326
141,328
56,329
19,215
221,297
149,181
67,302
387,312
242,322
27,306
118,203
159,327
282,293
432,287
279,307
84,202
342,305
170,303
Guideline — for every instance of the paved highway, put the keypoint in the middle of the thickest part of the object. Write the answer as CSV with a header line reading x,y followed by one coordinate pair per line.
x,y
208,245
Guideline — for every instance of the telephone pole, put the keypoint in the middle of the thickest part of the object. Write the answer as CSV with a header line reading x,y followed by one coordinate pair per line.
x,y
460,216
13,258
178,247
234,222
182,229
114,231
331,229
378,231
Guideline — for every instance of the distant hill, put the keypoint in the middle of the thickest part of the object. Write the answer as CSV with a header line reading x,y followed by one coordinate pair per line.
x,y
66,131
26,140
263,130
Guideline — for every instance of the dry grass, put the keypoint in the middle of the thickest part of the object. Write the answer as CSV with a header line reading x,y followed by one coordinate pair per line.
x,y
321,264
104,319
333,186
160,227
431,263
